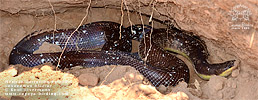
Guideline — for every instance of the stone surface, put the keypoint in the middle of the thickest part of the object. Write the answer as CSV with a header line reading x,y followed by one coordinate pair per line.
x,y
235,73
88,79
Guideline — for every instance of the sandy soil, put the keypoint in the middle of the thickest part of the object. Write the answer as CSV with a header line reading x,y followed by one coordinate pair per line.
x,y
210,21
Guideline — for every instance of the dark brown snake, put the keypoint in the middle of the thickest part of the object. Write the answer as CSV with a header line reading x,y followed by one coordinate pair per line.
x,y
157,61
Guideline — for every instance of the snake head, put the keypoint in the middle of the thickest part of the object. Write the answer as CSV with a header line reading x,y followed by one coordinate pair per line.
x,y
137,31
205,71
229,67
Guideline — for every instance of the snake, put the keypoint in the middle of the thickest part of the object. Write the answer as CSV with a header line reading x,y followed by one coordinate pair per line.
x,y
156,59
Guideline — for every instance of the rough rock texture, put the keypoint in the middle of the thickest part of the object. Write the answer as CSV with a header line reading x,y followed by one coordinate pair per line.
x,y
67,84
88,79
213,21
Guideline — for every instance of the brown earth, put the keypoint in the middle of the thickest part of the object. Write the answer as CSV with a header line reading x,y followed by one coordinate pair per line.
x,y
210,20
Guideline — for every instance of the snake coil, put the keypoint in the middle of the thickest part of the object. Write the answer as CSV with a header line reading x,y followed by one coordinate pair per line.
x,y
160,67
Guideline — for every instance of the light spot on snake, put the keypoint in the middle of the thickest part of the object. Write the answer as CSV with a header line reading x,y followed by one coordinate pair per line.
x,y
47,37
23,57
57,43
84,31
115,44
203,51
43,60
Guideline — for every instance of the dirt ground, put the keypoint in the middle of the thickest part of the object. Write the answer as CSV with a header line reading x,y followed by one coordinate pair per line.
x,y
211,21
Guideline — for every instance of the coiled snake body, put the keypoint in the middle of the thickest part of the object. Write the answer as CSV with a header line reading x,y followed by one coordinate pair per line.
x,y
156,61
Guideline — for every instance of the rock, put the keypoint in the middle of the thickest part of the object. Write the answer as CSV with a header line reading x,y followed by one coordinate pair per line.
x,y
216,83
88,79
104,92
195,92
179,96
231,83
133,76
147,89
162,89
214,87
116,72
120,83
235,73
133,91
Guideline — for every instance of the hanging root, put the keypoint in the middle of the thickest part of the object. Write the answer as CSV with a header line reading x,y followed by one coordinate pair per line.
x,y
86,14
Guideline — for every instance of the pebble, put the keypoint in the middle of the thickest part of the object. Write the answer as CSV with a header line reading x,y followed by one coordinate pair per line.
x,y
88,79
162,89
235,73
216,83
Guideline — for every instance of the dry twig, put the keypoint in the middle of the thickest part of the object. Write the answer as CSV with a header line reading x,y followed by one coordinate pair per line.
x,y
87,12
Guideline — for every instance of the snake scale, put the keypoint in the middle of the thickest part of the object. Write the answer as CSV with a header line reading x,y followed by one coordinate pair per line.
x,y
157,59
